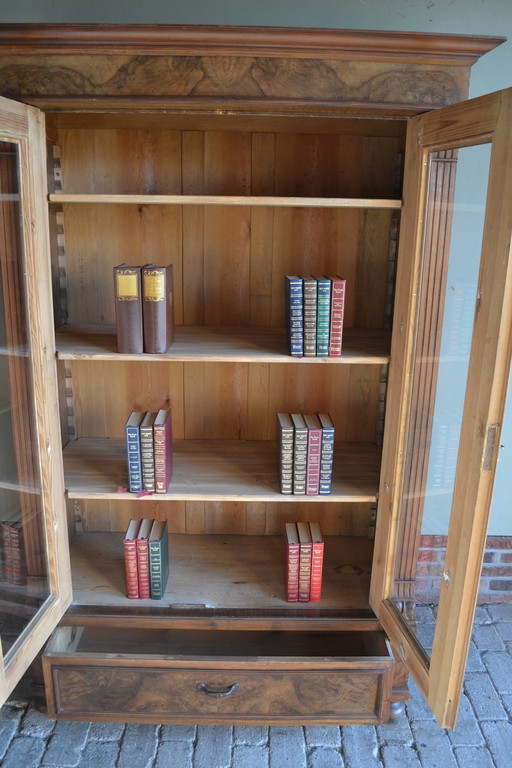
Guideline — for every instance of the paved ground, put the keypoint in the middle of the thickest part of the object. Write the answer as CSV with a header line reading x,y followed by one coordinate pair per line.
x,y
482,739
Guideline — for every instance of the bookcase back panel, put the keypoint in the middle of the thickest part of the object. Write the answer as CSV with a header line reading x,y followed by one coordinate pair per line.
x,y
207,517
224,401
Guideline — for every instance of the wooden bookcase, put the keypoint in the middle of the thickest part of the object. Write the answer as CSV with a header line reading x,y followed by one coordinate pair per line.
x,y
239,156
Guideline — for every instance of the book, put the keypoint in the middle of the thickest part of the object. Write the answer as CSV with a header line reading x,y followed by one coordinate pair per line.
x,y
141,544
327,453
300,453
313,454
128,309
133,454
285,451
337,312
323,316
14,570
310,315
162,446
130,559
291,562
294,310
157,307
317,562
147,453
158,558
305,554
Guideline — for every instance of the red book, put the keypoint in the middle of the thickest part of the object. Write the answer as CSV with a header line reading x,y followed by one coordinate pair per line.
x,y
130,559
337,313
292,562
317,562
313,454
143,558
305,553
162,436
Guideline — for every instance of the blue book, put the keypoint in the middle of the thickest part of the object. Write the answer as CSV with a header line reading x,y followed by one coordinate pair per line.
x,y
323,316
133,452
326,453
158,549
294,304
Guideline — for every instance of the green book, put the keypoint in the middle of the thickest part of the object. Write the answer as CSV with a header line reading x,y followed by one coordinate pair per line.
x,y
158,547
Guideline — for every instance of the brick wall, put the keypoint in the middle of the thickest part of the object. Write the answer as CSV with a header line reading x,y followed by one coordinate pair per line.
x,y
496,580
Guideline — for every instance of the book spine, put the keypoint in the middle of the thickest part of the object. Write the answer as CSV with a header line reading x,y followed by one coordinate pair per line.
x,y
313,461
326,460
128,309
300,458
285,439
162,437
6,543
337,313
310,314
323,319
134,459
19,570
130,564
156,570
157,308
143,567
317,564
294,301
147,458
304,571
292,573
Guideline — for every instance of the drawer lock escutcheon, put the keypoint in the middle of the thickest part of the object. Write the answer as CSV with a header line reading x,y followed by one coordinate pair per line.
x,y
217,693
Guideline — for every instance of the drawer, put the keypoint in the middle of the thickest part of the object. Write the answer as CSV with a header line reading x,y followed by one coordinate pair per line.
x,y
202,677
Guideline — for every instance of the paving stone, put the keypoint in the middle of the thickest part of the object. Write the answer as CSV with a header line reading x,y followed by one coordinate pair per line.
x,y
175,754
250,734
499,740
24,752
99,754
504,630
360,746
423,614
499,666
287,748
322,736
433,745
178,733
507,703
501,612
484,698
9,722
474,662
36,724
106,731
474,757
395,732
487,638
66,744
250,756
213,746
416,707
324,757
138,747
467,731
400,757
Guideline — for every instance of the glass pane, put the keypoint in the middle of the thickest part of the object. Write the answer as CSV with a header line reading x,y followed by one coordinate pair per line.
x,y
23,563
447,299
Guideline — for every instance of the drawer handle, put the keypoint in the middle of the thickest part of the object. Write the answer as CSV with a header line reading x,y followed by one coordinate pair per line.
x,y
217,693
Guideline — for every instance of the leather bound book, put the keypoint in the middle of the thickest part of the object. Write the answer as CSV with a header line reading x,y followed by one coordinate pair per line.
x,y
127,292
130,559
157,307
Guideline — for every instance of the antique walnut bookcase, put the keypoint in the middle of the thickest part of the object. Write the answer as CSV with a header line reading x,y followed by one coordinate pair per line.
x,y
240,155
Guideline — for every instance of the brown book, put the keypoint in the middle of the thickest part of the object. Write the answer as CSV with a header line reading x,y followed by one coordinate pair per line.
x,y
305,553
127,293
292,562
157,307
317,562
162,437
143,557
130,559
147,451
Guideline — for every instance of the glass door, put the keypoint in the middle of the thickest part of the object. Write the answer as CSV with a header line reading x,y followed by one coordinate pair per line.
x,y
448,382
34,583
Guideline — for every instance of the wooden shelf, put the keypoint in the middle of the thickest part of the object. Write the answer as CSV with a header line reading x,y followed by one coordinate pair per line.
x,y
238,200
222,573
216,470
208,344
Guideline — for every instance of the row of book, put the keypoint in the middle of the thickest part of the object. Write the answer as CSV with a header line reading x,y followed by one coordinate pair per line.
x,y
306,451
314,315
13,569
146,558
144,305
304,562
149,450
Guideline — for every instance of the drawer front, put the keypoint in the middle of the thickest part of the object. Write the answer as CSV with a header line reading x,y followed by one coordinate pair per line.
x,y
160,693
